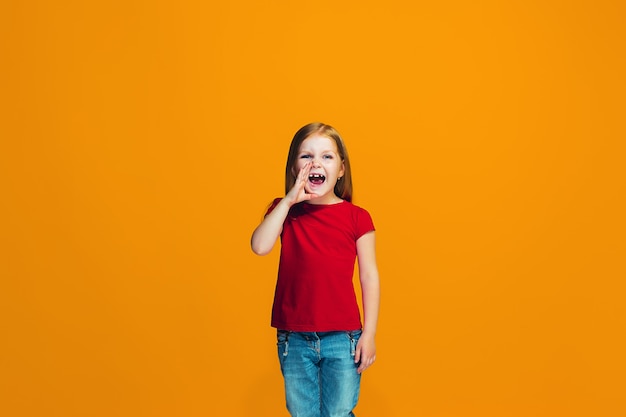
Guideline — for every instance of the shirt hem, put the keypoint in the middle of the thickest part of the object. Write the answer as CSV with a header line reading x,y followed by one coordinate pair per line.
x,y
318,328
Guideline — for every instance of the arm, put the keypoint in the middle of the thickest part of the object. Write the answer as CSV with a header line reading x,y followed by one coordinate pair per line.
x,y
370,288
265,235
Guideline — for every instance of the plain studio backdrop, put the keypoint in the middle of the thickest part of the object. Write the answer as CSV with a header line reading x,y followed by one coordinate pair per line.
x,y
141,142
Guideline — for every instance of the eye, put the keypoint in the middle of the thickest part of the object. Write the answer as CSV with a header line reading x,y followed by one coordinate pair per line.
x,y
305,156
328,157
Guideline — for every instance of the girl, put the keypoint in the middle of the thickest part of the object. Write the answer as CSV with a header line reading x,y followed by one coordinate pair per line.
x,y
322,347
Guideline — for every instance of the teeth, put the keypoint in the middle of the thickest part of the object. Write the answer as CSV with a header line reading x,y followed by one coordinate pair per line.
x,y
317,177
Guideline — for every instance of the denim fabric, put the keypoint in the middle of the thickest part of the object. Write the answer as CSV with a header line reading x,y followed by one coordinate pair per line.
x,y
319,372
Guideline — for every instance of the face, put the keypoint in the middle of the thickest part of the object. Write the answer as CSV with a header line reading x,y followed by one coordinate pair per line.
x,y
326,166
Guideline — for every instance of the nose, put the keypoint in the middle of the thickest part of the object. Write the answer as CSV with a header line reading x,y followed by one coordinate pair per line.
x,y
316,162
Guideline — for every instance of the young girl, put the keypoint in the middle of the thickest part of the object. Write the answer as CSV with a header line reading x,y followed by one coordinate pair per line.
x,y
322,347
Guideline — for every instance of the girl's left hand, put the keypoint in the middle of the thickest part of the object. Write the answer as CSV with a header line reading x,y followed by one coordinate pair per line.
x,y
365,353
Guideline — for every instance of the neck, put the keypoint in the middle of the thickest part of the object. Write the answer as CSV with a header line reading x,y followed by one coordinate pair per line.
x,y
325,200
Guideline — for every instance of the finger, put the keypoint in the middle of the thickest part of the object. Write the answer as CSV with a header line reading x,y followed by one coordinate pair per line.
x,y
299,174
303,175
299,177
366,363
306,169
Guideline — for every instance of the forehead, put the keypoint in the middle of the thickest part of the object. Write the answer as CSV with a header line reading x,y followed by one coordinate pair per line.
x,y
317,142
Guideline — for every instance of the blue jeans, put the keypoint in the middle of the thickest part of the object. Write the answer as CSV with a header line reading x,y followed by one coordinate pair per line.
x,y
319,372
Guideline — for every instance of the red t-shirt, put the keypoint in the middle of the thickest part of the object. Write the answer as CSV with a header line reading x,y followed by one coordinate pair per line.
x,y
314,291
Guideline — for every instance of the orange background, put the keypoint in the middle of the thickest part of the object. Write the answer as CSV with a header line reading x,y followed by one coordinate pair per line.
x,y
142,141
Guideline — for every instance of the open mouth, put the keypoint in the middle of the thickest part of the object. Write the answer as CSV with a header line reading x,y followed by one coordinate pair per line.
x,y
317,179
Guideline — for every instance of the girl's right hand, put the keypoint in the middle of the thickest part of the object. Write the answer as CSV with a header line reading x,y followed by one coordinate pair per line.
x,y
298,192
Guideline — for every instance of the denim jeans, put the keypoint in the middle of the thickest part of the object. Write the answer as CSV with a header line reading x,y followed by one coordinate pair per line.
x,y
319,372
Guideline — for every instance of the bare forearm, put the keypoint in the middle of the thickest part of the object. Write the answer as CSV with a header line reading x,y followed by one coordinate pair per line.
x,y
370,288
370,282
265,235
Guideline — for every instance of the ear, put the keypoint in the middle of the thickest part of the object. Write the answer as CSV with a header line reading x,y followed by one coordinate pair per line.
x,y
342,170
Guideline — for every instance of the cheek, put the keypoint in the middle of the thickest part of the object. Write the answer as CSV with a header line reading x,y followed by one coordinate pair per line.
x,y
297,166
334,167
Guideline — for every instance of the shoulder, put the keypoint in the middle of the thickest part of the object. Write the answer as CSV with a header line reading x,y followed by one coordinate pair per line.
x,y
273,205
356,209
361,218
294,211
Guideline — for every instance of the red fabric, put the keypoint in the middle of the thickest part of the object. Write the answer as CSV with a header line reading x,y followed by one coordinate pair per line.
x,y
314,291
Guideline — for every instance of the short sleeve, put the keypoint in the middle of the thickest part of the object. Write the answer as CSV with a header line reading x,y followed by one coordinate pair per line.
x,y
364,222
